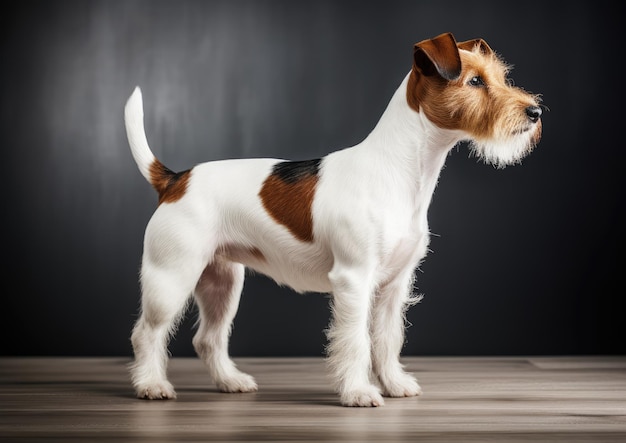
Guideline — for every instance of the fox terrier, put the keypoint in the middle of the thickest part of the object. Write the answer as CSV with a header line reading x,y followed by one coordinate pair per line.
x,y
352,224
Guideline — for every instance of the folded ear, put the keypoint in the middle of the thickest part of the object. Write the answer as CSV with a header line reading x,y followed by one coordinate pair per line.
x,y
479,43
439,55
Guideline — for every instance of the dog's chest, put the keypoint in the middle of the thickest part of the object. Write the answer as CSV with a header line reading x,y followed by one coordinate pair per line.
x,y
404,240
402,253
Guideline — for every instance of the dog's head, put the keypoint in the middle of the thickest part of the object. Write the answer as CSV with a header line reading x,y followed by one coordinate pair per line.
x,y
464,86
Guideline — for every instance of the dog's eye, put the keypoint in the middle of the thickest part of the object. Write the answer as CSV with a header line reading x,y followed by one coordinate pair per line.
x,y
476,81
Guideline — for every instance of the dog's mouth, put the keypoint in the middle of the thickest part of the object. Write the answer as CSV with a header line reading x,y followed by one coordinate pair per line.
x,y
524,129
532,131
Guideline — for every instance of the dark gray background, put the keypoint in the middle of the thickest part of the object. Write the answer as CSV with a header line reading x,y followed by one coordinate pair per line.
x,y
527,260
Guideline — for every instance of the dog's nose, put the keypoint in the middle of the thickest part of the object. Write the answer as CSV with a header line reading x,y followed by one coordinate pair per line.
x,y
533,113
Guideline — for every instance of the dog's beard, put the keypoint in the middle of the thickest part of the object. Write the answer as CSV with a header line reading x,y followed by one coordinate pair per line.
x,y
505,152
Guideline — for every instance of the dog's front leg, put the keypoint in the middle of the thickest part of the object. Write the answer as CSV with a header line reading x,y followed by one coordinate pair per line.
x,y
387,329
349,341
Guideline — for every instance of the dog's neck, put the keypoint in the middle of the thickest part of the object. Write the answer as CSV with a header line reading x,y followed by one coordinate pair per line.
x,y
410,143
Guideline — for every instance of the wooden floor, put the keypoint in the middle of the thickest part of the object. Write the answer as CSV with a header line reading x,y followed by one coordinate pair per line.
x,y
464,400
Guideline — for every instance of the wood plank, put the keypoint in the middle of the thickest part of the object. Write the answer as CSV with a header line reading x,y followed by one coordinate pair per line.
x,y
551,399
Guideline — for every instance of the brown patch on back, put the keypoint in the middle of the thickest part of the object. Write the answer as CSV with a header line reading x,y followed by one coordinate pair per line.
x,y
171,186
289,200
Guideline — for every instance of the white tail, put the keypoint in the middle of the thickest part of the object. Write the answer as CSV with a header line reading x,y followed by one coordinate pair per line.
x,y
133,117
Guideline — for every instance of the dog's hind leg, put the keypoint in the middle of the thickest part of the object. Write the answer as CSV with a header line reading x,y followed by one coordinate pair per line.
x,y
164,298
217,294
166,288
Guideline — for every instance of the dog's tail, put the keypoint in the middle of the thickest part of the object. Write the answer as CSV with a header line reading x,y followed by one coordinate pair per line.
x,y
159,176
133,117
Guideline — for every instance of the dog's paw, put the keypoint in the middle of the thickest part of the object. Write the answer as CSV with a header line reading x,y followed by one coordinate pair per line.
x,y
403,385
238,383
368,396
156,391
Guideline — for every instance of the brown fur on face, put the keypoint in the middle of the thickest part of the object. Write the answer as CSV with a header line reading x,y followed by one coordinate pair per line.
x,y
493,110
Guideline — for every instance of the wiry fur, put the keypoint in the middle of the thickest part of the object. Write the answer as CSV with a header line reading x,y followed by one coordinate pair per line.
x,y
358,230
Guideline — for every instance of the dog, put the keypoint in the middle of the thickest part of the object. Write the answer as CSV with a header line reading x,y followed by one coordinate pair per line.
x,y
352,224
